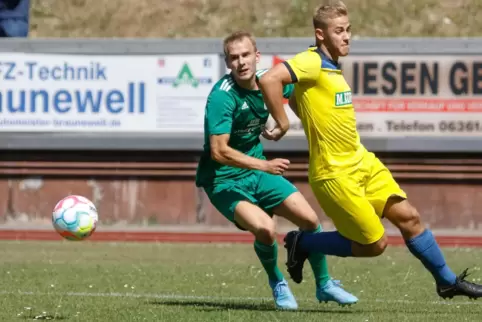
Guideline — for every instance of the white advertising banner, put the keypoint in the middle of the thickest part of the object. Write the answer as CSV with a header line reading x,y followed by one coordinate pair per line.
x,y
70,93
184,83
399,96
394,96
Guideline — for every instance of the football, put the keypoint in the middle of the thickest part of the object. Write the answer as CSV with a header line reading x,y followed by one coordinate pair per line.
x,y
75,217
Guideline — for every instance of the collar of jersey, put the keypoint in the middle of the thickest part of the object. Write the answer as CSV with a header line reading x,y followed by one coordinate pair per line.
x,y
245,89
326,62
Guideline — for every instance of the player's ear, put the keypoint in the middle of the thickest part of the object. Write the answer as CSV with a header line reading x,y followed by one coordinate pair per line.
x,y
258,56
319,34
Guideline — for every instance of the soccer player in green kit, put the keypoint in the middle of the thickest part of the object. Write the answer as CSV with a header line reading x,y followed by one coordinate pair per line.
x,y
242,184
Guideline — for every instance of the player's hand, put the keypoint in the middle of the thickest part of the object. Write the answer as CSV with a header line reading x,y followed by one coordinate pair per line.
x,y
277,166
274,135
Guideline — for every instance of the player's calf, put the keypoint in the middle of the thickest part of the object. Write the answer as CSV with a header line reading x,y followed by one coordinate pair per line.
x,y
420,241
252,218
422,244
300,244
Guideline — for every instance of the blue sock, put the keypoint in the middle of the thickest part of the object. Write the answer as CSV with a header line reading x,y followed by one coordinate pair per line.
x,y
426,249
327,242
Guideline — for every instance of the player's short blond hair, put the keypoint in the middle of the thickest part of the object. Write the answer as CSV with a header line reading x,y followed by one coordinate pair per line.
x,y
236,36
329,10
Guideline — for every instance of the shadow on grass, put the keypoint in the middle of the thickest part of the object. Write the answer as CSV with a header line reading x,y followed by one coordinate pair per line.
x,y
249,306
357,309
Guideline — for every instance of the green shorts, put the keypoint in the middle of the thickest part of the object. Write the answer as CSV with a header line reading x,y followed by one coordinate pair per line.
x,y
265,190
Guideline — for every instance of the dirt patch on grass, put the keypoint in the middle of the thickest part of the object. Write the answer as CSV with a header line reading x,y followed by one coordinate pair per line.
x,y
266,18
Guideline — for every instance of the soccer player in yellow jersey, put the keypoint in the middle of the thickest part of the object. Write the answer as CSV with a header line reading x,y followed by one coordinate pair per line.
x,y
351,184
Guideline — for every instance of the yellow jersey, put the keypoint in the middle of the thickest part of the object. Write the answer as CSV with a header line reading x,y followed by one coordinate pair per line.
x,y
326,111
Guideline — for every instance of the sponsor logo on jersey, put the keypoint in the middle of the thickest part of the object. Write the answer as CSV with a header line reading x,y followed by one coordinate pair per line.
x,y
253,122
252,126
343,98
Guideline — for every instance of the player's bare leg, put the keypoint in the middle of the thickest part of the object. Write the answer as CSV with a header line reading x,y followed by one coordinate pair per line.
x,y
296,209
423,245
261,225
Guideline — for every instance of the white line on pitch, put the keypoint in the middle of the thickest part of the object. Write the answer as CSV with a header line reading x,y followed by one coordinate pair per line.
x,y
213,298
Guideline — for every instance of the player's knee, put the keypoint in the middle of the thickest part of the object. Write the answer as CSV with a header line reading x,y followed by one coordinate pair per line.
x,y
266,233
371,250
405,216
379,246
310,223
297,210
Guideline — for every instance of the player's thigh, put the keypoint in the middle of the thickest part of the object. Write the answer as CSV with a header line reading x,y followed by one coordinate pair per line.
x,y
342,200
272,190
297,210
381,186
254,219
225,198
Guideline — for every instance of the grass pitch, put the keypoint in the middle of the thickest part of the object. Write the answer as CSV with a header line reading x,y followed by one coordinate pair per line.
x,y
92,281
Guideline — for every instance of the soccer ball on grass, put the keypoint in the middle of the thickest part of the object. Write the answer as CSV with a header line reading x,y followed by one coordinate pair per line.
x,y
75,217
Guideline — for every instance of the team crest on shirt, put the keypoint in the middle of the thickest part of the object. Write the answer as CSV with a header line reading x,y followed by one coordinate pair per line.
x,y
343,99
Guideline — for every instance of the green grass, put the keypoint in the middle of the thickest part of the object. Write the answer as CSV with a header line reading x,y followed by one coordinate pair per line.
x,y
189,282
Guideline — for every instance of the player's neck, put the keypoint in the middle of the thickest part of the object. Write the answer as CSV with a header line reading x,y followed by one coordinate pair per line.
x,y
328,54
249,84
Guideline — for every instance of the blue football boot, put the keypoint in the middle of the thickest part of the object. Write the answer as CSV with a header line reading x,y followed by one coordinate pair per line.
x,y
332,291
283,298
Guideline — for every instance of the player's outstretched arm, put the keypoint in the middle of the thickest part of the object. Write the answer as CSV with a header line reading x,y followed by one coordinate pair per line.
x,y
303,68
271,85
221,152
293,105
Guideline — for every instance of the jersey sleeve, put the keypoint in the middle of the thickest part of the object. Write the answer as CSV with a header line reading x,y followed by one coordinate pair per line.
x,y
305,66
219,112
288,90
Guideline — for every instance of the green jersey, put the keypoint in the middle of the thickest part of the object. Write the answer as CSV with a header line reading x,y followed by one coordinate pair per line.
x,y
231,109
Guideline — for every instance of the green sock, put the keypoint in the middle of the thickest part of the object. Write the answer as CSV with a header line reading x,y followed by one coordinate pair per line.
x,y
268,256
319,264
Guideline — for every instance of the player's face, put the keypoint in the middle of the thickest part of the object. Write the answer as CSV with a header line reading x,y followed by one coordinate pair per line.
x,y
336,36
242,59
